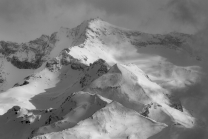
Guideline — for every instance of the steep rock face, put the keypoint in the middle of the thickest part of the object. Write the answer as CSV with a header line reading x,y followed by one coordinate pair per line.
x,y
99,67
64,59
29,55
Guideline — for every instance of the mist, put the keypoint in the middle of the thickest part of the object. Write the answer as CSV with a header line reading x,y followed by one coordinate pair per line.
x,y
25,20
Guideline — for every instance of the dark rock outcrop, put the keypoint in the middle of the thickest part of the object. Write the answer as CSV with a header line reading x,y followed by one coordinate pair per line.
x,y
29,55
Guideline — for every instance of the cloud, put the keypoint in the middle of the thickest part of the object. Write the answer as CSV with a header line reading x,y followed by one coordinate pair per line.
x,y
189,11
24,20
193,15
11,10
118,7
185,11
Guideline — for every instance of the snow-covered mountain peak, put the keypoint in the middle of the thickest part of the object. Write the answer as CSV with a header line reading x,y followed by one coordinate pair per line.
x,y
96,80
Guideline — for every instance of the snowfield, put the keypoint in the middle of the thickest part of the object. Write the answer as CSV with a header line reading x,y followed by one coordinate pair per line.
x,y
99,81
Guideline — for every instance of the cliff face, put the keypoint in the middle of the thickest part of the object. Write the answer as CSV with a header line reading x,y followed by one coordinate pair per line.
x,y
29,55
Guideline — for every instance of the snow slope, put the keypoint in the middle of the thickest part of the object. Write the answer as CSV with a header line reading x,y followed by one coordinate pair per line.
x,y
129,86
22,123
113,121
49,87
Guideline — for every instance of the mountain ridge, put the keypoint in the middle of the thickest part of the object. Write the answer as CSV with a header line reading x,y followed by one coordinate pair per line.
x,y
96,26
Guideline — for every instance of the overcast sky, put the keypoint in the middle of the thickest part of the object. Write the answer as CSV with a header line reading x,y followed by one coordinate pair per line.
x,y
24,20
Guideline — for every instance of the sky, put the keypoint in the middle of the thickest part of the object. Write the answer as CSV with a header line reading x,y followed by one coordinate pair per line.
x,y
25,20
